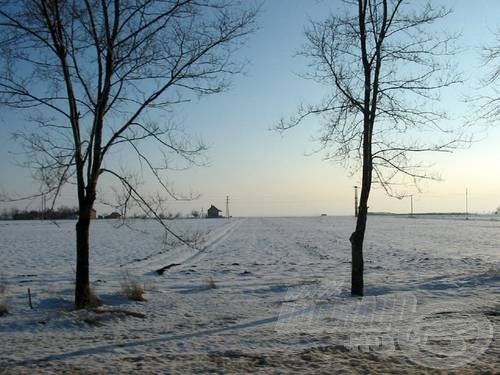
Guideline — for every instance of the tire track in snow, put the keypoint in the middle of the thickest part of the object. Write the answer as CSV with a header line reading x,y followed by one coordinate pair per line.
x,y
213,242
153,263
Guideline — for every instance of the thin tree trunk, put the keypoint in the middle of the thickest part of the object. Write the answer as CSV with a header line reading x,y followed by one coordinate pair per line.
x,y
82,284
358,236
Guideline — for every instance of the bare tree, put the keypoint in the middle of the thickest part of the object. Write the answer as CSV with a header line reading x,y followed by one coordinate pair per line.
x,y
92,75
489,104
383,66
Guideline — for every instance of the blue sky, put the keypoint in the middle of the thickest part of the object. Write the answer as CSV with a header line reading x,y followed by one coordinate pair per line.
x,y
265,173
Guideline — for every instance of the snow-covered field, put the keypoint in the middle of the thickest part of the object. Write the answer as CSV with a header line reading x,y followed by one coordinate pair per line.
x,y
191,327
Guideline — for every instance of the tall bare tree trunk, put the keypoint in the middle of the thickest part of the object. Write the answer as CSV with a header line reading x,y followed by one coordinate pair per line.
x,y
358,236
82,284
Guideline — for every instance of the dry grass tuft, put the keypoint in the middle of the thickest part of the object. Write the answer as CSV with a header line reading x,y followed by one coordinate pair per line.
x,y
132,288
94,301
3,288
210,283
3,309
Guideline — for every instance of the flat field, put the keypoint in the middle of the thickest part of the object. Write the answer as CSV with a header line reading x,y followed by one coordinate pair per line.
x,y
222,307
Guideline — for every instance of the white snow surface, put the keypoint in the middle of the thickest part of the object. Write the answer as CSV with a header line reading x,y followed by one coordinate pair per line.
x,y
189,327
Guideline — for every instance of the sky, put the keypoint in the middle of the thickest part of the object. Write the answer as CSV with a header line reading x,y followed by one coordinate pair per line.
x,y
265,173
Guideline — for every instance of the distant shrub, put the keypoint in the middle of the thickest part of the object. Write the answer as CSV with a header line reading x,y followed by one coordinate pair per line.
x,y
132,288
194,239
210,283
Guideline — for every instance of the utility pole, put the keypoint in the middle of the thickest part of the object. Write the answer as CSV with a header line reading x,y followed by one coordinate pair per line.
x,y
227,206
44,203
466,204
355,201
411,205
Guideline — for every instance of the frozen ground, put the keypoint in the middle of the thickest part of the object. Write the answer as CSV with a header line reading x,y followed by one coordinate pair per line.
x,y
191,328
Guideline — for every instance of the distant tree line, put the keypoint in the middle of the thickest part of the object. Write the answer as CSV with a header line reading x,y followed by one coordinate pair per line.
x,y
71,213
61,213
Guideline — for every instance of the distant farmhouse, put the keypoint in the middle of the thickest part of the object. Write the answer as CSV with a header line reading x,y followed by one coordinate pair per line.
x,y
213,212
113,215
